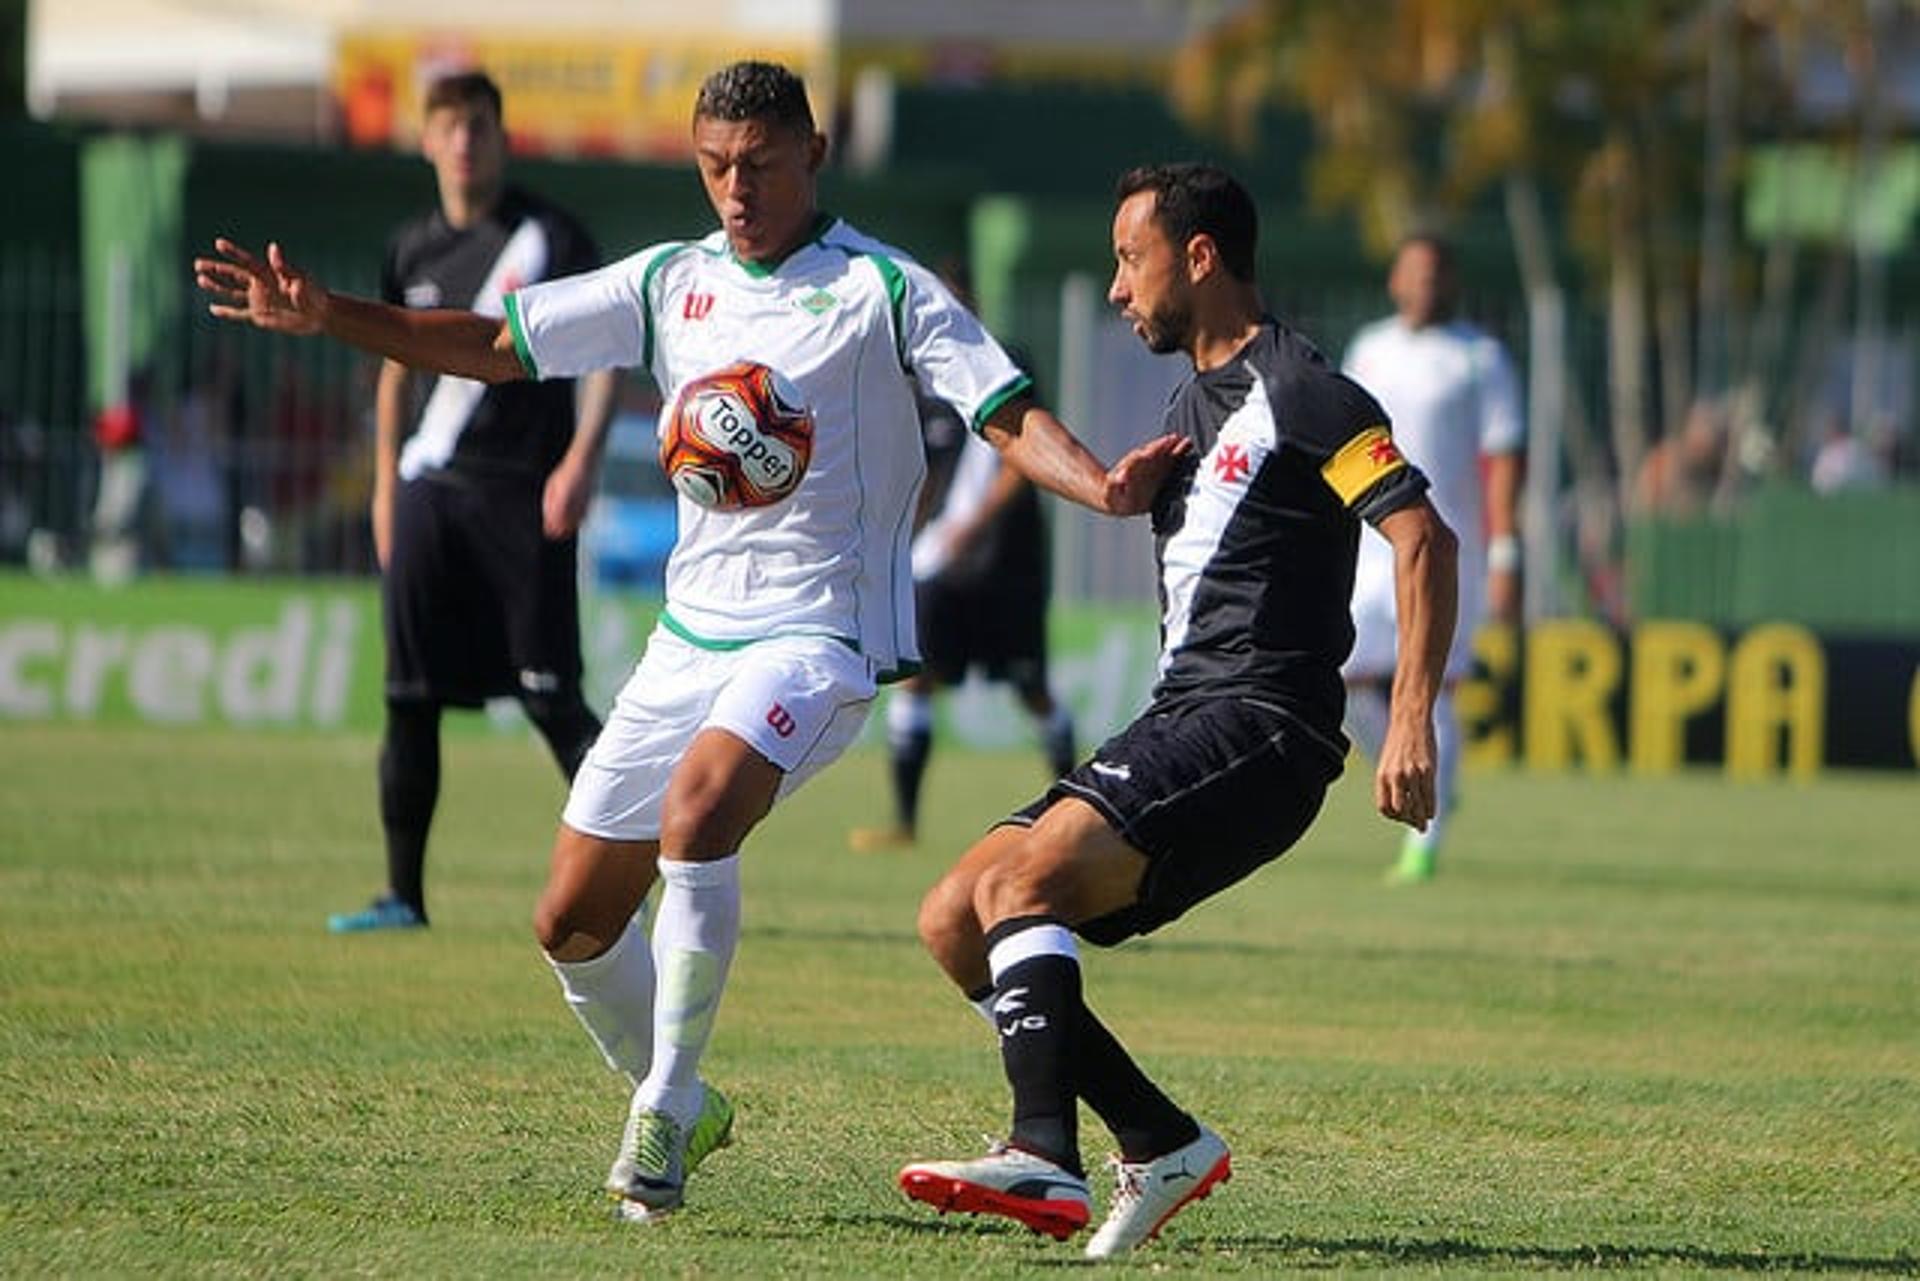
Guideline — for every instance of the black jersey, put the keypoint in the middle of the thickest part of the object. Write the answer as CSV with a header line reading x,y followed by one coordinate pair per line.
x,y
1010,555
1256,534
510,430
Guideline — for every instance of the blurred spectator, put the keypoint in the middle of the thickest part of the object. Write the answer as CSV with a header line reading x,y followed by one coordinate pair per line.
x,y
1849,460
192,451
1678,475
118,430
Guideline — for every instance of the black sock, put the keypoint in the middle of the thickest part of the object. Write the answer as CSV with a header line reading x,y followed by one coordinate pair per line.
x,y
567,724
1036,1006
1144,1121
409,786
908,751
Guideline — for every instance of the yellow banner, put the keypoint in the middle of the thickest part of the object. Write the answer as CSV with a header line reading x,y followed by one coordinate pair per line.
x,y
576,94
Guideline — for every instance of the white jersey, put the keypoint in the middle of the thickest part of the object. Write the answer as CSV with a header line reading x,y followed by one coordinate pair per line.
x,y
1451,394
851,323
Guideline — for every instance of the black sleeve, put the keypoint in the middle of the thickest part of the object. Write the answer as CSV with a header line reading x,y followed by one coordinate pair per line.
x,y
1338,423
392,287
574,250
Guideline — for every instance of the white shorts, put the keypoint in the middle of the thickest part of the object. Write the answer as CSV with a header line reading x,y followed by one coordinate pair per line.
x,y
1376,630
799,701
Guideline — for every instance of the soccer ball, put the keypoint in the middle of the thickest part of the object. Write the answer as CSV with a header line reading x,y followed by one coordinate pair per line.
x,y
735,438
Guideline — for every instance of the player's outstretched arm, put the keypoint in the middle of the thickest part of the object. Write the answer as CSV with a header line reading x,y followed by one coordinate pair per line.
x,y
1426,593
271,293
1041,448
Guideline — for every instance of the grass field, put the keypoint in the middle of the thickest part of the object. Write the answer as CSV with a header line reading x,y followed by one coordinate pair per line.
x,y
1665,1026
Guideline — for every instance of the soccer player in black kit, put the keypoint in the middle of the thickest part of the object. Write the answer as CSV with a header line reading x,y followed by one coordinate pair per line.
x,y
1256,538
475,512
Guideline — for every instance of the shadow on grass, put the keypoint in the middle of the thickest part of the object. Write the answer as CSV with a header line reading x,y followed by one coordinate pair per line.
x,y
1329,1253
1345,1252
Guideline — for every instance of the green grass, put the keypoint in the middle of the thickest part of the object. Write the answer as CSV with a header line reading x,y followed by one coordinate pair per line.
x,y
1668,1026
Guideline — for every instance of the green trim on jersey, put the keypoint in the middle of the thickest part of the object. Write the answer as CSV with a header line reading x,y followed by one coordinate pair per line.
x,y
646,300
896,283
520,347
761,269
991,405
693,638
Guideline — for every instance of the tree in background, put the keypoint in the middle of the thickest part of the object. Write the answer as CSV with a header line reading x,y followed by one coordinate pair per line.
x,y
1619,130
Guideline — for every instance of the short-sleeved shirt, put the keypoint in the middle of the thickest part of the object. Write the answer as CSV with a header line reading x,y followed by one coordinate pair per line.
x,y
857,327
513,431
1256,535
1453,397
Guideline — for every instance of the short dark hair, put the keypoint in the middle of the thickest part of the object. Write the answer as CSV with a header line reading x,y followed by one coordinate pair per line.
x,y
1196,199
464,89
764,91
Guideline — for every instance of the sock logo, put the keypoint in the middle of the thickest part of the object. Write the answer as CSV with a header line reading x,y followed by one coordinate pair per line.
x,y
1010,1003
782,721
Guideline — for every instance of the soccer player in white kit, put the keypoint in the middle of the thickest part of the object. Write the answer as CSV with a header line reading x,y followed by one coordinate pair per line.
x,y
1450,390
779,622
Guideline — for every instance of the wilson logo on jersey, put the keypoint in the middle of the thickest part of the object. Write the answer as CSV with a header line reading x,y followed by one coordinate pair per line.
x,y
697,306
1231,464
1362,463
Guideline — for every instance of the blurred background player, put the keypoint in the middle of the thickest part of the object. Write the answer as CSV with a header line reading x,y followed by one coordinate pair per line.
x,y
475,511
980,594
1450,391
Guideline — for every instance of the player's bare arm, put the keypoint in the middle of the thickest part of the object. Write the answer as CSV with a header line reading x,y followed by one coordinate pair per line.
x,y
569,487
1042,449
389,408
1503,536
271,293
1426,591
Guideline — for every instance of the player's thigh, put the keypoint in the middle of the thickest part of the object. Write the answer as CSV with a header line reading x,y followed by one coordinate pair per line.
x,y
798,701
1209,793
1070,863
620,788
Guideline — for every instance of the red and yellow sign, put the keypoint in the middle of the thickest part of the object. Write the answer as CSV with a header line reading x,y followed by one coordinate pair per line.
x,y
573,94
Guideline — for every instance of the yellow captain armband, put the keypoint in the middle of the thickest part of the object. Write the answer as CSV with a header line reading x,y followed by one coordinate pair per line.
x,y
1362,463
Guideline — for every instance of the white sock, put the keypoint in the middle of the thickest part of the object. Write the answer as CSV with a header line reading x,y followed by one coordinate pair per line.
x,y
909,713
612,996
1367,717
694,936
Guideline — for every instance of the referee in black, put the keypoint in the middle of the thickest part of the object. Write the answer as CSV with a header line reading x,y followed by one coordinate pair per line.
x,y
981,584
475,509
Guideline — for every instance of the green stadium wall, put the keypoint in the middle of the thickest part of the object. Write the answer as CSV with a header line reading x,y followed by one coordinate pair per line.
x,y
1775,698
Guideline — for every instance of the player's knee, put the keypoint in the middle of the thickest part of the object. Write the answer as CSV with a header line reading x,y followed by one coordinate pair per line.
x,y
946,915
568,929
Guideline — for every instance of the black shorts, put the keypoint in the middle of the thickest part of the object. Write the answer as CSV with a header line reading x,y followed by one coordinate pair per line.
x,y
1210,791
1000,628
478,602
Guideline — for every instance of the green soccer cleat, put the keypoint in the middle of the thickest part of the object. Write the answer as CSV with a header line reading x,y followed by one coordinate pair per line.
x,y
649,1176
1417,863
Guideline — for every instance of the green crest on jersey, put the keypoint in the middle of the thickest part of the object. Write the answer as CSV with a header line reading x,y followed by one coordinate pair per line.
x,y
817,302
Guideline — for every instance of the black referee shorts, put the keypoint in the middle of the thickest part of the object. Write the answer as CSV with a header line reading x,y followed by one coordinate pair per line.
x,y
998,626
478,602
1210,791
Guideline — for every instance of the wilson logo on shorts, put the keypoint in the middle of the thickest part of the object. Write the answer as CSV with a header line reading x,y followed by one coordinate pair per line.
x,y
782,721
